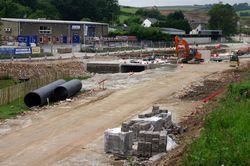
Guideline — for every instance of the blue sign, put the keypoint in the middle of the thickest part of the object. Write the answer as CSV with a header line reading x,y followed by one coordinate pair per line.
x,y
27,39
7,51
19,51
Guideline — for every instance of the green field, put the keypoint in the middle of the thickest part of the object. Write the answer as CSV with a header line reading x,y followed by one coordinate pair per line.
x,y
244,11
183,8
225,138
129,10
122,18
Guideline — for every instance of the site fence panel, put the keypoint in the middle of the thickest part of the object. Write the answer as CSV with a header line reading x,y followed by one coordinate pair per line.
x,y
14,92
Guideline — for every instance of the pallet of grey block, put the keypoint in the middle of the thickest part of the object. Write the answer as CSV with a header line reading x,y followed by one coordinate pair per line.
x,y
143,137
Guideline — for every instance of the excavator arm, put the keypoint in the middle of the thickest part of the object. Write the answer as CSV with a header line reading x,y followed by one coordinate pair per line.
x,y
185,44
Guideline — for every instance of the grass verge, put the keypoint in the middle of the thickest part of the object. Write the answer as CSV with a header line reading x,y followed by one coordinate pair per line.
x,y
6,81
12,109
25,56
225,138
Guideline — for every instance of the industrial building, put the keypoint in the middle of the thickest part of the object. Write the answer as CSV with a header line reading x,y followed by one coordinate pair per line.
x,y
214,34
42,31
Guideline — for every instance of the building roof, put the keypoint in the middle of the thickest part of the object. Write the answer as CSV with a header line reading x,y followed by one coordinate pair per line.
x,y
172,30
50,21
152,20
213,30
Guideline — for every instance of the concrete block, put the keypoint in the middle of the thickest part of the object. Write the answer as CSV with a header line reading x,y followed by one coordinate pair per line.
x,y
163,137
155,134
142,136
118,142
163,111
162,148
149,115
125,127
155,109
141,116
155,145
135,136
148,136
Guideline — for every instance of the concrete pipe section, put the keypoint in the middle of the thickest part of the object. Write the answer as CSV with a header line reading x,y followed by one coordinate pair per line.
x,y
39,97
67,90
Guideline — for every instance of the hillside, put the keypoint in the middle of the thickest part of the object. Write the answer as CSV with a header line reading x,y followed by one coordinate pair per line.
x,y
184,8
197,14
126,12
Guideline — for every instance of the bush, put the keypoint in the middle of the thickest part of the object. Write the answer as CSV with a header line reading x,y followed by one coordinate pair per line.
x,y
118,33
151,33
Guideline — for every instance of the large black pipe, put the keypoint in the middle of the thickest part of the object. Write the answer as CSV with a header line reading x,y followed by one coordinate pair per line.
x,y
39,97
68,89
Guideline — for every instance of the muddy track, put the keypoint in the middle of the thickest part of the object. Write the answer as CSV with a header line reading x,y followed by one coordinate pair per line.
x,y
70,130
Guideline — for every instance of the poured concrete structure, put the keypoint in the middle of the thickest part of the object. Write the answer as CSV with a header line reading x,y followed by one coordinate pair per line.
x,y
116,67
103,67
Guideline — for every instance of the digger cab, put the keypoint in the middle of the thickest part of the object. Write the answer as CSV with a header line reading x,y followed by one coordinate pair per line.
x,y
234,60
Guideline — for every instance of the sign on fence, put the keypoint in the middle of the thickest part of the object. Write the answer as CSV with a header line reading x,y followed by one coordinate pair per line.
x,y
19,51
7,51
36,50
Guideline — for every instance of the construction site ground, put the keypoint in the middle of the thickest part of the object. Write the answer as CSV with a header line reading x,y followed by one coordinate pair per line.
x,y
71,133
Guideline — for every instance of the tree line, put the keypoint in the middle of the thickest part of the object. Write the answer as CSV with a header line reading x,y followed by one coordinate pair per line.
x,y
94,10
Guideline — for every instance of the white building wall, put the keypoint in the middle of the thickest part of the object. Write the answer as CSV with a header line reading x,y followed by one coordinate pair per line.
x,y
198,40
147,23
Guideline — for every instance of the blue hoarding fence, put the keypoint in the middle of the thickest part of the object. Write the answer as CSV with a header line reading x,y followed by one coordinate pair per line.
x,y
7,51
16,51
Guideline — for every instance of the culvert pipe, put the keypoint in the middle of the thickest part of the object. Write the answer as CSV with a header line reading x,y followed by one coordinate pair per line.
x,y
39,97
67,89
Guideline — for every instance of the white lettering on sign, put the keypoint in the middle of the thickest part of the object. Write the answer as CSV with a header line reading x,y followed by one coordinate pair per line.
x,y
75,27
22,51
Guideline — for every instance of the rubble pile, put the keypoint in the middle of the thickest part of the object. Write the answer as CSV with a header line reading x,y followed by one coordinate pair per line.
x,y
39,69
145,54
143,137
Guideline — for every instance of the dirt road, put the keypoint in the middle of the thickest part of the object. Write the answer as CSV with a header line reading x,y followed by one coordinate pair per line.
x,y
72,134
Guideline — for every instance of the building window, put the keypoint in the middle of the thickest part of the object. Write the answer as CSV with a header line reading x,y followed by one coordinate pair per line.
x,y
45,30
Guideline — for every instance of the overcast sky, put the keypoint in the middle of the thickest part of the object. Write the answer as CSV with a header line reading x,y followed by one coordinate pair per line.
x,y
142,3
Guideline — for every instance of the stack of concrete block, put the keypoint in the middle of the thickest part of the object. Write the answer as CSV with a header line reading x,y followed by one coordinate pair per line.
x,y
163,141
149,132
157,140
118,142
144,149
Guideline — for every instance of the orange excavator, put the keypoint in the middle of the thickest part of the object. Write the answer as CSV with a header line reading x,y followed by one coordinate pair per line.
x,y
191,55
